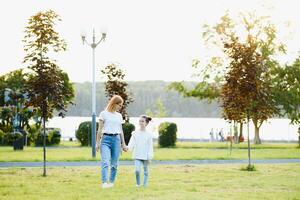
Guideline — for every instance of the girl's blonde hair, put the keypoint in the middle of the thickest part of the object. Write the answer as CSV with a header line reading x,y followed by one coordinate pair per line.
x,y
111,106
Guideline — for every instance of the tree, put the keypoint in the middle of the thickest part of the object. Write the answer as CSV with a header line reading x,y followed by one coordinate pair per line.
x,y
247,89
159,110
49,88
203,90
286,90
115,85
240,76
13,96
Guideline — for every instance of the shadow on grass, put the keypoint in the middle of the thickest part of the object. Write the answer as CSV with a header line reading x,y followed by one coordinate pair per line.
x,y
249,168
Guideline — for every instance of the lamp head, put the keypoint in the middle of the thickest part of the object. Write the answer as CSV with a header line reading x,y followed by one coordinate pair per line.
x,y
103,31
103,35
83,36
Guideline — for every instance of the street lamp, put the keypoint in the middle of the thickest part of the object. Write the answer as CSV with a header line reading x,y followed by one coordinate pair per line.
x,y
94,44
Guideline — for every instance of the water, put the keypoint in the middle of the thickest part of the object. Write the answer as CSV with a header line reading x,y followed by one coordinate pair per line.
x,y
192,128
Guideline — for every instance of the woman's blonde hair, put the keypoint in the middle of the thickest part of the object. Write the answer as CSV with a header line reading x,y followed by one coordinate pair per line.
x,y
111,106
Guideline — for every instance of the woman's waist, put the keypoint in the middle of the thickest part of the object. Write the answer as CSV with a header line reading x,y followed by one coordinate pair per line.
x,y
111,134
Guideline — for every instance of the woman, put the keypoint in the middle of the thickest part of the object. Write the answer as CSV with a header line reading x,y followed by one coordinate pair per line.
x,y
110,139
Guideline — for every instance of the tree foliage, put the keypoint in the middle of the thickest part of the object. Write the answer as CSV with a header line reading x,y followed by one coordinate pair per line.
x,y
240,77
286,90
49,87
115,85
203,90
13,96
158,111
247,88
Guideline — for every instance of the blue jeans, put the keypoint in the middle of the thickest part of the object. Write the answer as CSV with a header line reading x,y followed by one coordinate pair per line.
x,y
138,164
110,148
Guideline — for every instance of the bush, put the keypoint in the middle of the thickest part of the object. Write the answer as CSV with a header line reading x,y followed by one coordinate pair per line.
x,y
33,131
9,138
25,134
18,141
127,130
52,137
55,136
7,128
167,134
84,133
1,137
39,139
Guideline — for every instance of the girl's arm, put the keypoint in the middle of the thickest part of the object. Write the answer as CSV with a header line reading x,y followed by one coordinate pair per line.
x,y
131,142
150,148
99,134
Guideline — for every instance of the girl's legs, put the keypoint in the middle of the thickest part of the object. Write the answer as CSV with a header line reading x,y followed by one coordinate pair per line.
x,y
115,154
146,173
138,164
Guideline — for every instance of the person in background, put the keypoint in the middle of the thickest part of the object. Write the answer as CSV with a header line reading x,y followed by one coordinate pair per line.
x,y
211,133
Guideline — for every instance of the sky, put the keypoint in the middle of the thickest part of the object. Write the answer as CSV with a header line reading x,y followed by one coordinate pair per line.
x,y
149,39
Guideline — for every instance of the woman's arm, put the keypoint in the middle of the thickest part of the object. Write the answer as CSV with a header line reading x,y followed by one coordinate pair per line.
x,y
99,134
123,145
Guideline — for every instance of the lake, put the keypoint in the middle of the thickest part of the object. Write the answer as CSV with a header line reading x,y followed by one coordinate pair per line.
x,y
192,128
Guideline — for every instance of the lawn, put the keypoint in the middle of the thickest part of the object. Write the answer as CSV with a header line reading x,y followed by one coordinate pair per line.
x,y
184,151
165,182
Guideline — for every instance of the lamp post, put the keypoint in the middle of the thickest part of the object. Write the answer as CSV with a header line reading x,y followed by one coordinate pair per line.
x,y
93,45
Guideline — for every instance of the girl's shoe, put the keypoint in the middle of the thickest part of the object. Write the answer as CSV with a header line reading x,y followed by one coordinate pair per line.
x,y
110,184
107,185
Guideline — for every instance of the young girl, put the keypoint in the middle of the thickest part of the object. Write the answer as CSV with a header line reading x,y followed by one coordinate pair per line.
x,y
141,144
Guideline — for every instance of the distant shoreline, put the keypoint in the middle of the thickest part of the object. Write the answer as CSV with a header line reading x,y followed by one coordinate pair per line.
x,y
207,140
193,129
263,141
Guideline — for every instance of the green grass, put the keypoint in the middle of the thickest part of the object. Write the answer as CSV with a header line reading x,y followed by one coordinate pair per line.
x,y
183,151
225,145
69,144
165,182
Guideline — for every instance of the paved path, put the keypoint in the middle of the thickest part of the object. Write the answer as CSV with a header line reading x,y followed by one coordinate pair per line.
x,y
155,162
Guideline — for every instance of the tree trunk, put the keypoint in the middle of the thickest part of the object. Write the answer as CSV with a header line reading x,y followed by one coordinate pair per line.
x,y
241,137
256,132
236,133
44,146
257,139
299,136
248,142
241,129
44,139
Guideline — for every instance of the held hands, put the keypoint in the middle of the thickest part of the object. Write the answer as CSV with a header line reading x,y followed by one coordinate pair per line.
x,y
124,148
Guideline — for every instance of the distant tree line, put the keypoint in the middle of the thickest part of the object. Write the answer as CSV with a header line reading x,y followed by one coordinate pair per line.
x,y
145,94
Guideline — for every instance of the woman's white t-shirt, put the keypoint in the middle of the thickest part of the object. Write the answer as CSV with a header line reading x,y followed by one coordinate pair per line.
x,y
112,122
